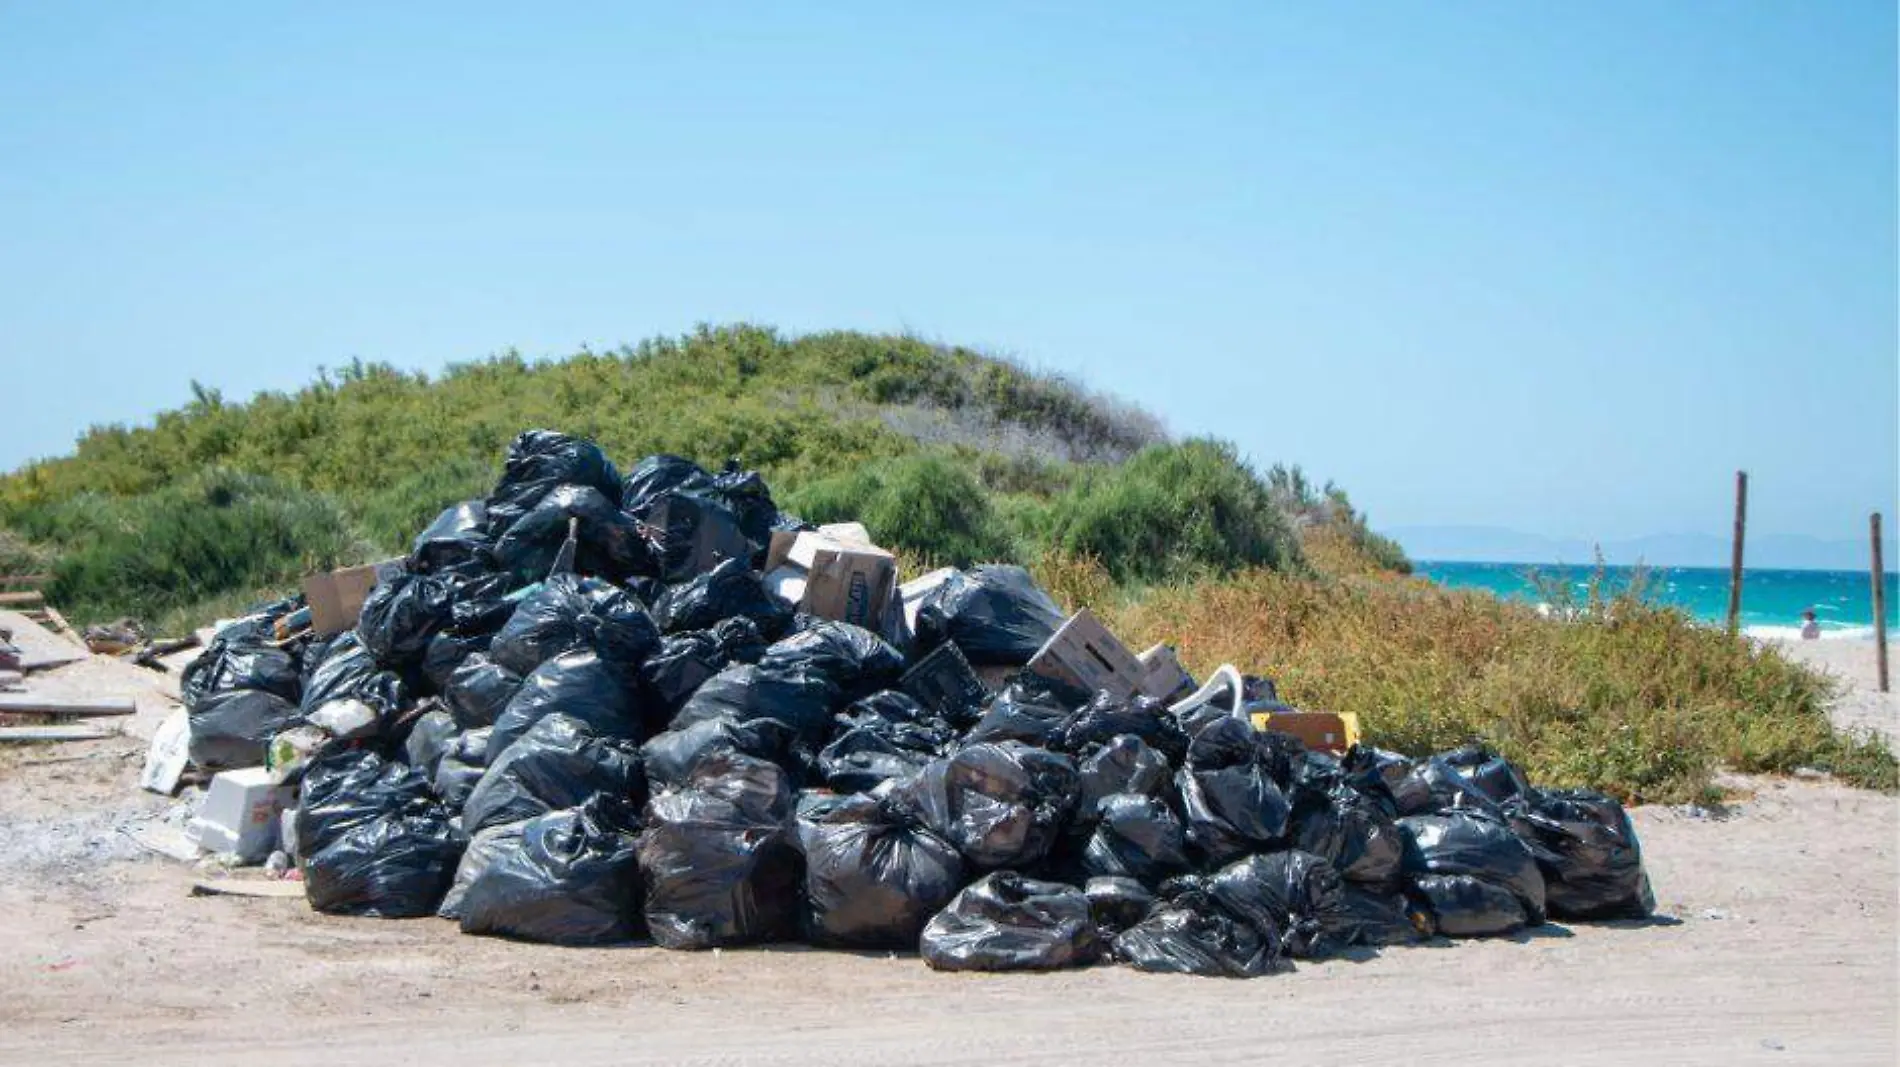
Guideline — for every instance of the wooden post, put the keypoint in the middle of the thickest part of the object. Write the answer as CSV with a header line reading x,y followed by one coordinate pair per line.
x,y
1735,561
1880,604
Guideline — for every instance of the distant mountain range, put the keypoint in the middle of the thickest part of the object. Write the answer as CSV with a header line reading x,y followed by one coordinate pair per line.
x,y
1494,544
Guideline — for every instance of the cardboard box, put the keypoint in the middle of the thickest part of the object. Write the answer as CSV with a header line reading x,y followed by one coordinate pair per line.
x,y
1162,676
834,573
1322,731
336,597
1084,654
240,814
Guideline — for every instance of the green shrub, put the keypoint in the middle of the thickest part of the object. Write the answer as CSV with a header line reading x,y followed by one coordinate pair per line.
x,y
925,505
1173,511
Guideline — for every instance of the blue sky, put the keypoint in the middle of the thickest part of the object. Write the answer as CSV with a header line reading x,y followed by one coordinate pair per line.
x,y
1556,268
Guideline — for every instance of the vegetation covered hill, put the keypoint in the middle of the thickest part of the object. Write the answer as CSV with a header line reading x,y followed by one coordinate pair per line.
x,y
950,457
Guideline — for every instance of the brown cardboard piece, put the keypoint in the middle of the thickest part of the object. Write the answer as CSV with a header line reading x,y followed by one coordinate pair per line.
x,y
336,597
1084,654
1322,731
834,573
1162,676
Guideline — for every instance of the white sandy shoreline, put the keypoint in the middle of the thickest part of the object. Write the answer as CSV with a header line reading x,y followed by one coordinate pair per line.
x,y
1852,663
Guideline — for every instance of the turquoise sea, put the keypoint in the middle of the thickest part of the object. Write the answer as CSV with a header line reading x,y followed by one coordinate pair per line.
x,y
1772,600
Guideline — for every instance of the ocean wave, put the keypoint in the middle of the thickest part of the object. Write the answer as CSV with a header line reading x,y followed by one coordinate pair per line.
x,y
1793,633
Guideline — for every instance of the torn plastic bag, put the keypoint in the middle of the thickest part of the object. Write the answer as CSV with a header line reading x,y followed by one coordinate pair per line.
x,y
1469,843
457,537
1123,765
1491,774
730,590
1108,716
569,613
656,475
1136,837
1294,895
540,460
395,866
685,661
1002,805
720,865
1231,792
557,763
572,877
994,613
852,658
802,700
479,691
1031,709
232,728
1374,919
1190,934
1587,850
1463,906
607,540
402,615
431,737
873,876
1117,903
578,684
461,769
1007,922
1349,830
689,535
345,670
483,849
671,757
229,665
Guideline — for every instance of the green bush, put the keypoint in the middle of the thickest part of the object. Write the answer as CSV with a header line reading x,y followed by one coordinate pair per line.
x,y
925,505
1172,512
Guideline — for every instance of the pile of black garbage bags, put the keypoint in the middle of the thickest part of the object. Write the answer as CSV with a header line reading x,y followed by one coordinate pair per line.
x,y
650,744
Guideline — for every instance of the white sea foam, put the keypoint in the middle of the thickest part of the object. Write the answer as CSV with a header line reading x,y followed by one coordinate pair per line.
x,y
1828,633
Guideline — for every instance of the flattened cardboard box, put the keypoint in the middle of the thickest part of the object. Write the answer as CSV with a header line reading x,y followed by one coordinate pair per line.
x,y
1083,653
336,597
834,573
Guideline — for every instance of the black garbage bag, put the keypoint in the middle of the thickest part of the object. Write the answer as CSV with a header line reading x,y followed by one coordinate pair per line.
x,y
479,691
1007,922
1117,903
730,590
1460,905
1587,850
345,670
720,864
1107,716
570,613
1137,837
483,849
657,475
607,540
395,866
994,613
446,654
431,737
540,460
1386,778
852,658
1294,895
886,735
1124,765
1349,830
1374,919
1190,934
557,764
1002,805
1470,844
1231,792
457,537
873,876
1489,773
239,664
811,804
579,684
688,535
801,699
672,757
744,493
572,877
461,769
232,728
402,615
1434,786
345,787
686,660
1031,709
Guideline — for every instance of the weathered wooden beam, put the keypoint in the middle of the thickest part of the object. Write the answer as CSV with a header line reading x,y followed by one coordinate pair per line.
x,y
30,596
30,704
35,734
7,580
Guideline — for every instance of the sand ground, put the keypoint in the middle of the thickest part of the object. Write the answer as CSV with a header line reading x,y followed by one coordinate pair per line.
x,y
1778,942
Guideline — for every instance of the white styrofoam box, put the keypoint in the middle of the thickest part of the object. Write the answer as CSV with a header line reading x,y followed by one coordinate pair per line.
x,y
240,814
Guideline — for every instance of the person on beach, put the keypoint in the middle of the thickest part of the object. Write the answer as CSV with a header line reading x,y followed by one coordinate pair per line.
x,y
1810,629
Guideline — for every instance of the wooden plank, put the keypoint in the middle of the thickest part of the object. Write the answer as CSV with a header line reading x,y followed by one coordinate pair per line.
x,y
35,734
9,580
28,704
50,660
247,887
60,624
31,596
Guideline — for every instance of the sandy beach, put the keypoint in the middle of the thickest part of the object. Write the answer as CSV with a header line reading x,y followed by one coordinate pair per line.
x,y
1852,664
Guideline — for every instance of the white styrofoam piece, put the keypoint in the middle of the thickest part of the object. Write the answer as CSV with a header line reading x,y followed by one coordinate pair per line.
x,y
239,814
171,750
